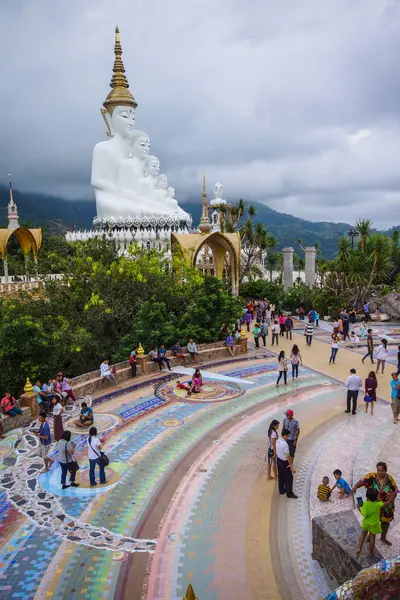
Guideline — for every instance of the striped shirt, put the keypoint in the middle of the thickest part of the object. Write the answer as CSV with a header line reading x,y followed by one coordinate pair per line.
x,y
324,491
309,329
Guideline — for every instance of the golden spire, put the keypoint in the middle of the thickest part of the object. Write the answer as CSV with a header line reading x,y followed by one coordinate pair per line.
x,y
119,93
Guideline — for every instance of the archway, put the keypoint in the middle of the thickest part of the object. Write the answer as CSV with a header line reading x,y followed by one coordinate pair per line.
x,y
30,240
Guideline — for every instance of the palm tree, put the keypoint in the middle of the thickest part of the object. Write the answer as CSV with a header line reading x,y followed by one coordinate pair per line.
x,y
363,228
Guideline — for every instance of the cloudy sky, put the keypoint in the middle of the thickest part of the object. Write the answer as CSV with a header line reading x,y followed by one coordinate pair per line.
x,y
291,103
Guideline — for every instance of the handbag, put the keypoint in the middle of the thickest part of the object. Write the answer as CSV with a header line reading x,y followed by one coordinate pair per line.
x,y
105,461
367,398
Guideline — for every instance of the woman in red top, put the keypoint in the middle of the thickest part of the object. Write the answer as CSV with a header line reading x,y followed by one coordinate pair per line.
x,y
370,391
282,320
9,406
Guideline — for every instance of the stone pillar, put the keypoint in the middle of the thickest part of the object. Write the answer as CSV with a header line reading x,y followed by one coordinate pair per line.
x,y
288,267
310,253
5,263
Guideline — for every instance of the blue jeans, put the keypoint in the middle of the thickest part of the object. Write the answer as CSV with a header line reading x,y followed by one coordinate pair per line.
x,y
334,351
92,472
14,411
64,471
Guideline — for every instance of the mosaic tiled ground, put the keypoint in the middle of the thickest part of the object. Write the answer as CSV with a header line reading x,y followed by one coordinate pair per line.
x,y
190,475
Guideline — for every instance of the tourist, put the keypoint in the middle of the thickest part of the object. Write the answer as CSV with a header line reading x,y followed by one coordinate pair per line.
x,y
353,385
354,339
346,325
264,332
48,389
66,460
250,309
316,318
257,334
94,454
66,388
271,450
341,484
395,396
288,327
106,373
193,351
353,316
282,367
268,315
176,350
9,406
57,390
293,426
387,490
334,347
311,316
275,332
308,332
371,384
248,319
229,342
370,347
282,320
324,491
295,358
44,441
272,307
162,355
366,312
86,416
340,326
398,360
381,355
182,386
133,362
362,330
371,525
301,313
41,397
285,466
57,414
197,382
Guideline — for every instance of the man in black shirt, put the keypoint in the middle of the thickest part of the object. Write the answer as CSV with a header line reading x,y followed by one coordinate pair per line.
x,y
370,347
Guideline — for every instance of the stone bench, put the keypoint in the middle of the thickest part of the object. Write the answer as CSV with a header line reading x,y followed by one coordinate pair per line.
x,y
18,421
334,540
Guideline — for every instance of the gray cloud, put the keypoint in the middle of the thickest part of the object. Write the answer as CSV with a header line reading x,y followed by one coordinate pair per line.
x,y
292,104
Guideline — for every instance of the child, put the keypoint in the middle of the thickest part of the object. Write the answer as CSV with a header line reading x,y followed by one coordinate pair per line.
x,y
341,484
371,524
324,491
354,339
316,319
182,386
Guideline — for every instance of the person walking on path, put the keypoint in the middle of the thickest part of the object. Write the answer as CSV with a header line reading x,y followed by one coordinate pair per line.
x,y
282,367
398,360
58,410
289,327
248,319
370,347
395,396
282,321
354,385
346,325
256,335
334,348
271,451
308,332
264,332
381,355
371,524
293,426
295,358
370,392
275,333
285,466
94,455
66,460
366,312
44,441
387,490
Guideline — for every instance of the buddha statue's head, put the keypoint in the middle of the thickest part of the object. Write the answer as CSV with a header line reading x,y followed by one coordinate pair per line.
x,y
152,166
171,192
123,122
141,145
162,182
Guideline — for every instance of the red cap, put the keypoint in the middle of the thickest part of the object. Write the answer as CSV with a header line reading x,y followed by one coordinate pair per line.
x,y
289,412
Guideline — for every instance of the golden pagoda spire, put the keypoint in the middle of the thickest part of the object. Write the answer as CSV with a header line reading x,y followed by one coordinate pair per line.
x,y
205,225
119,93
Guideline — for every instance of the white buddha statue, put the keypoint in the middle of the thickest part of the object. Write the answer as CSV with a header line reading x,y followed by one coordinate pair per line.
x,y
126,179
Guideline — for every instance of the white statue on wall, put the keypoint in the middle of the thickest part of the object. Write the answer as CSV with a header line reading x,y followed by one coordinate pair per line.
x,y
125,177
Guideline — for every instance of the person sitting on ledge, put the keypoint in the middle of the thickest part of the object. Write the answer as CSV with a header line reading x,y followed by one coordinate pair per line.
x,y
86,416
41,397
193,351
106,373
176,350
66,389
230,343
162,355
9,405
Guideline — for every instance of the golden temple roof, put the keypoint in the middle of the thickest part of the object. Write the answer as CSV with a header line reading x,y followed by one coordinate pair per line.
x,y
119,93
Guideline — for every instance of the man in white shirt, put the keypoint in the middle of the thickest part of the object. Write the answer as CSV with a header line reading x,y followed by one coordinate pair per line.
x,y
285,465
106,373
354,385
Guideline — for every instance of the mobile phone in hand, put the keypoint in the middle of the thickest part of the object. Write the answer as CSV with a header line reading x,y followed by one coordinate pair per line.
x,y
360,501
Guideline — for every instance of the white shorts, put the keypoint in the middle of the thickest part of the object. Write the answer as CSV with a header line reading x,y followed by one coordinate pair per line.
x,y
44,450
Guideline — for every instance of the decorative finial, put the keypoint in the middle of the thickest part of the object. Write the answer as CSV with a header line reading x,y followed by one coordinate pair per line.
x,y
140,351
13,222
119,93
28,387
205,225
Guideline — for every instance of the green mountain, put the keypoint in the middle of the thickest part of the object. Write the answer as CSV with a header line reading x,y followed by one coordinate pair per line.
x,y
40,209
